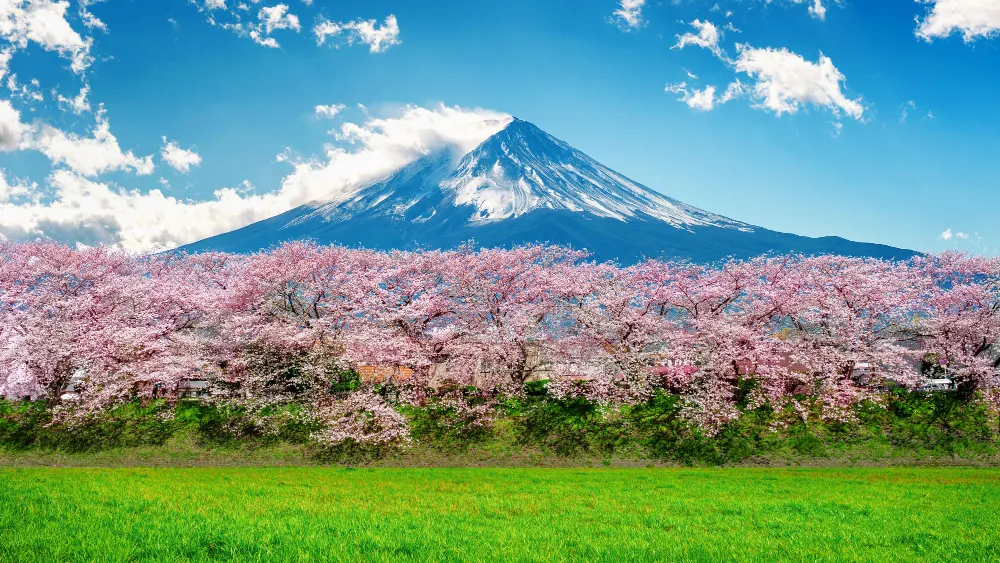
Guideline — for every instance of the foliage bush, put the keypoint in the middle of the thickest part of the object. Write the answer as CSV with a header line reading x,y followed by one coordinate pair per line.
x,y
29,425
903,425
230,425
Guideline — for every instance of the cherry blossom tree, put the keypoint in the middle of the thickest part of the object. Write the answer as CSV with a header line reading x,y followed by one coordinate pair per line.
x,y
281,327
959,320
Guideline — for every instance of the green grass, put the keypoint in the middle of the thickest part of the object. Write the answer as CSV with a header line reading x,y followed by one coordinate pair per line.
x,y
325,514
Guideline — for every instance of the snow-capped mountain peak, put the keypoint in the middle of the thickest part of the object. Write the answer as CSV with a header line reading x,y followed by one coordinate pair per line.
x,y
521,185
523,168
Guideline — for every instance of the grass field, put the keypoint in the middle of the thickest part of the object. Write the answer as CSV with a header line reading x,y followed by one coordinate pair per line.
x,y
317,514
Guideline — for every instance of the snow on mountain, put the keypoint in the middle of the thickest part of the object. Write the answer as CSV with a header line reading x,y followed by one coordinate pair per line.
x,y
518,186
523,168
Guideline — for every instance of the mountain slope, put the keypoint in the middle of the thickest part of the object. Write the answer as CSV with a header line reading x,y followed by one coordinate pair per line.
x,y
519,186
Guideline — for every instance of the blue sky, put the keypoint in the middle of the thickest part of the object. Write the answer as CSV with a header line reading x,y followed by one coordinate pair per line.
x,y
898,145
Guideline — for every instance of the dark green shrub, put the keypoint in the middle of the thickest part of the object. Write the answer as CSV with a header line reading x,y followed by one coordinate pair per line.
x,y
237,425
451,421
31,425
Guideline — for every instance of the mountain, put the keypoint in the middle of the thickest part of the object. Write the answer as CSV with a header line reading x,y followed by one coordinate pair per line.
x,y
519,186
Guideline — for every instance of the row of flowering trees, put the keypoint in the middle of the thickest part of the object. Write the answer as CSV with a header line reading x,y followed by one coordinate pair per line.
x,y
794,327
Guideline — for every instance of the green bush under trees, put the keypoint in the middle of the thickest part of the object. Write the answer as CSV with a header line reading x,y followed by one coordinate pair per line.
x,y
907,424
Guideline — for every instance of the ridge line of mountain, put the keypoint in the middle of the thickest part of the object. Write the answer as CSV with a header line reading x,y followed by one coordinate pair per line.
x,y
519,186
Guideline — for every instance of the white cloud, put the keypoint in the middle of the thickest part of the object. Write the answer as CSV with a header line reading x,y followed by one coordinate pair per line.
x,y
277,17
948,235
911,108
5,55
11,128
44,23
329,111
89,19
735,90
263,40
29,92
707,37
629,14
378,39
269,19
180,159
817,9
12,189
784,81
383,145
325,28
88,156
83,210
79,103
89,212
237,19
904,111
971,18
705,99
701,100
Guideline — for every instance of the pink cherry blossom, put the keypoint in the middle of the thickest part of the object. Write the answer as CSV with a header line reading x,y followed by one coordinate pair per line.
x,y
87,329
